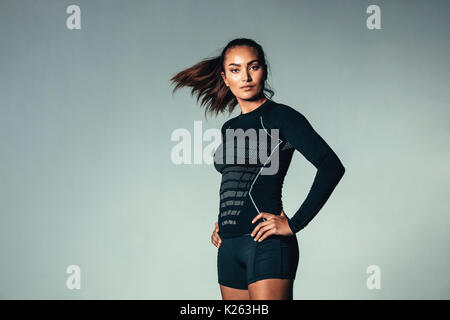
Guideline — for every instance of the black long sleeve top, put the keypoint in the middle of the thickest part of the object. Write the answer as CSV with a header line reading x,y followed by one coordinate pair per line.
x,y
253,158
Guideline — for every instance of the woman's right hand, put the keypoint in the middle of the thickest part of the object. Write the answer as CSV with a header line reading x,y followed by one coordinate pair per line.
x,y
215,238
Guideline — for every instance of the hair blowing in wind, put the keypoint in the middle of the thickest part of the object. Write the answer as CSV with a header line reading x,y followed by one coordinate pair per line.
x,y
206,81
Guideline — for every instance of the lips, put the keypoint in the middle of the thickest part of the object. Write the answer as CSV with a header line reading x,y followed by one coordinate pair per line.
x,y
247,87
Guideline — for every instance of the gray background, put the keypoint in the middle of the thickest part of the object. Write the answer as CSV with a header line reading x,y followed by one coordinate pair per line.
x,y
85,123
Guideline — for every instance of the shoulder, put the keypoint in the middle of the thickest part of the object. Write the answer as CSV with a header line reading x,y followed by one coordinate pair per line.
x,y
281,114
228,123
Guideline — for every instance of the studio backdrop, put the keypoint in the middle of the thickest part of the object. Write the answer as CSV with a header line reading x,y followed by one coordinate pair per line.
x,y
96,204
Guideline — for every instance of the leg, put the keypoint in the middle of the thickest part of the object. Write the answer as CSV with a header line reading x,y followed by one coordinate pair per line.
x,y
273,268
233,294
271,289
231,272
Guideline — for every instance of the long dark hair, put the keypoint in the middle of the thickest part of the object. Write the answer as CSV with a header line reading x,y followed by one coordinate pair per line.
x,y
205,79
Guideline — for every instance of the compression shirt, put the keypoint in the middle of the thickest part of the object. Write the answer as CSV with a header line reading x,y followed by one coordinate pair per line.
x,y
253,159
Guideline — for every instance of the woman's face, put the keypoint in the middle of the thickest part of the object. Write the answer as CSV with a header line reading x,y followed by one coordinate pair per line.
x,y
242,68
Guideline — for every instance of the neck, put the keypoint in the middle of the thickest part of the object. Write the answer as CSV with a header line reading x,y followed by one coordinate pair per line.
x,y
250,105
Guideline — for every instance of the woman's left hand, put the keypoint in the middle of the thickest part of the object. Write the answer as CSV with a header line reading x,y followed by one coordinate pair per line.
x,y
274,224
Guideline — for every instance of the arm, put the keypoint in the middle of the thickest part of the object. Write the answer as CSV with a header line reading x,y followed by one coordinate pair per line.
x,y
298,131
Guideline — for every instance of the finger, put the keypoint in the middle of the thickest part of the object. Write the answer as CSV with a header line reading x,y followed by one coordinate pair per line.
x,y
267,234
216,239
213,241
262,232
262,215
258,216
260,225
216,233
215,236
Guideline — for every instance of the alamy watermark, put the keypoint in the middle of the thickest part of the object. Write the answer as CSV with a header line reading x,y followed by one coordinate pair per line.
x,y
233,150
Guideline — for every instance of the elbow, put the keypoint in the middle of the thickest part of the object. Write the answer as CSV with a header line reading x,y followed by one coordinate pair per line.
x,y
341,170
338,167
337,172
333,166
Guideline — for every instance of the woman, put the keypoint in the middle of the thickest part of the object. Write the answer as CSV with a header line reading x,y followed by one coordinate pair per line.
x,y
258,252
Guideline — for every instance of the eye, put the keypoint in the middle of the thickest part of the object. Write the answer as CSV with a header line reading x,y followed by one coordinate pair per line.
x,y
233,70
255,66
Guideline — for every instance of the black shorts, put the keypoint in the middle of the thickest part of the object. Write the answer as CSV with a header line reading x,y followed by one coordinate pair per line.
x,y
241,260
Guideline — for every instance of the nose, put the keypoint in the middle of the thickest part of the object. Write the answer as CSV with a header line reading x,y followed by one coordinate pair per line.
x,y
246,75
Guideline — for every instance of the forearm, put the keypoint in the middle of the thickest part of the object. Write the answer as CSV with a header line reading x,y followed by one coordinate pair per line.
x,y
328,175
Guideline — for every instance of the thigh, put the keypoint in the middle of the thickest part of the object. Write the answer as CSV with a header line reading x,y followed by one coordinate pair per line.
x,y
233,294
272,268
271,289
231,272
